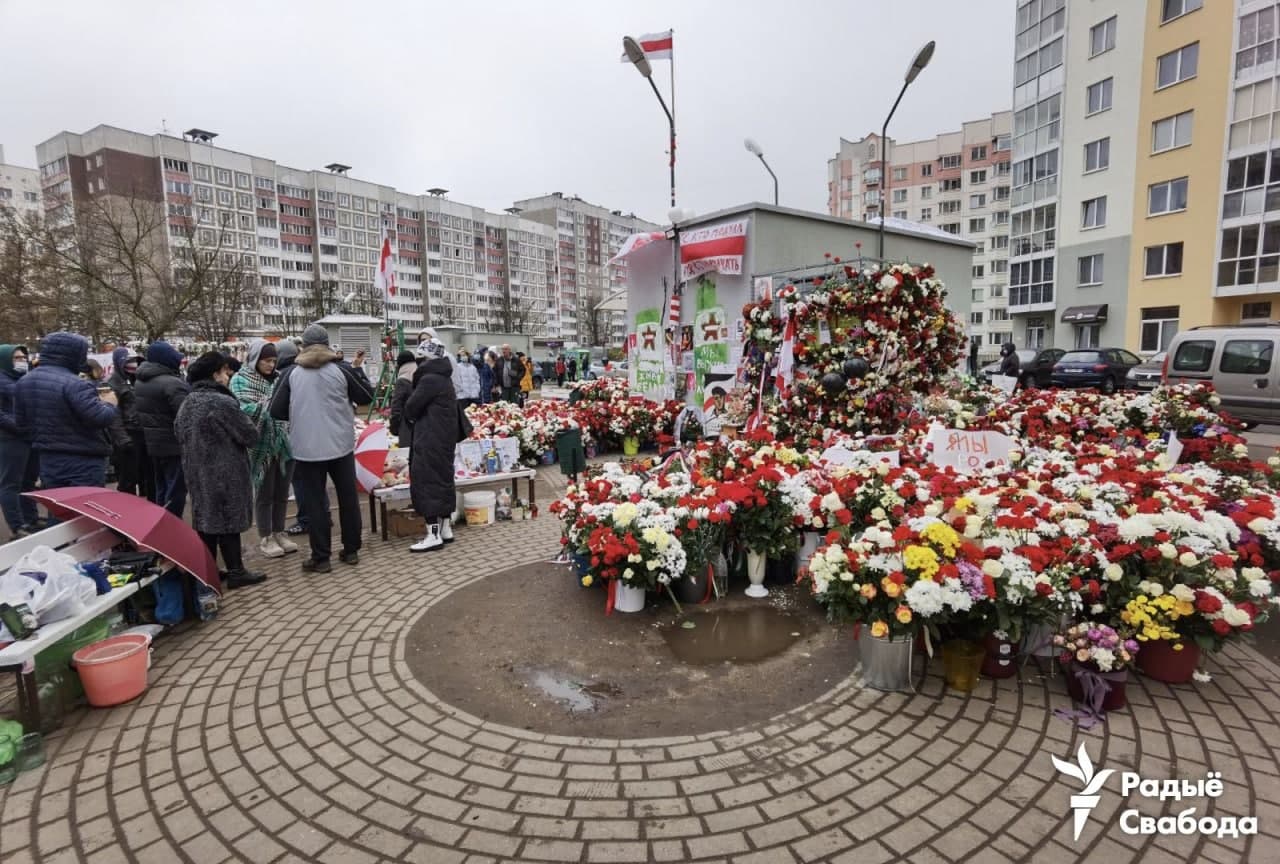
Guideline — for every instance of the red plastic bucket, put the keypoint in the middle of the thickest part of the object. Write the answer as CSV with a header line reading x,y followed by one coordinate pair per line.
x,y
114,670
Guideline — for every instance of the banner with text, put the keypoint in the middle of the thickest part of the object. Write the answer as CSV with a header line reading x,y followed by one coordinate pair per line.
x,y
714,249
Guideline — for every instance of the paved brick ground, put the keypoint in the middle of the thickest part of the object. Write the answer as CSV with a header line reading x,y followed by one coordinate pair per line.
x,y
291,730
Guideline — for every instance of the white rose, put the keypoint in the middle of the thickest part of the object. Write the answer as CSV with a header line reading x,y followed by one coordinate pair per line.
x,y
1183,592
1235,616
992,568
1188,559
1260,588
1168,550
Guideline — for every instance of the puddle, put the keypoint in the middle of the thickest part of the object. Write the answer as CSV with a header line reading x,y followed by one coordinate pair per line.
x,y
579,698
735,635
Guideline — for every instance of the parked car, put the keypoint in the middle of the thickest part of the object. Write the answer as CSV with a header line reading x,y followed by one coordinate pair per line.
x,y
1146,375
1104,368
1239,360
616,369
1037,366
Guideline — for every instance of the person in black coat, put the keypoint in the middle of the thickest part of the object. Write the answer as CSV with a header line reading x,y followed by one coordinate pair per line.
x,y
133,469
432,413
1009,363
214,437
160,391
405,369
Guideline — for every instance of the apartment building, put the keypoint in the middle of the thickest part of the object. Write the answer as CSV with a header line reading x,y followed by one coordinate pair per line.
x,y
312,238
19,188
959,182
1142,164
586,237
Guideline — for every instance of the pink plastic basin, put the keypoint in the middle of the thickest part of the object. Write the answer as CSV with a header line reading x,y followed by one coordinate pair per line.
x,y
113,670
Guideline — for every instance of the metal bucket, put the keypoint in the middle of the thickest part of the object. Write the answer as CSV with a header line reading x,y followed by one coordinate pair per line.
x,y
886,663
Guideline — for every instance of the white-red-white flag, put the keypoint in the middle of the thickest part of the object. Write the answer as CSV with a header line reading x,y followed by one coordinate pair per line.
x,y
386,275
657,46
786,356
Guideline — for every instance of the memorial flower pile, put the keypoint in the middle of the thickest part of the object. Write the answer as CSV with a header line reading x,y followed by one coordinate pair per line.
x,y
1098,645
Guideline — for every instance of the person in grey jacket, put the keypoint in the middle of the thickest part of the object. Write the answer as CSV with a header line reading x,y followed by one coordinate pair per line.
x,y
315,395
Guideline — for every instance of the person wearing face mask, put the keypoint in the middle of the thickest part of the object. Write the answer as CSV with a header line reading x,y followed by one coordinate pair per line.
x,y
133,469
214,437
19,466
466,381
269,458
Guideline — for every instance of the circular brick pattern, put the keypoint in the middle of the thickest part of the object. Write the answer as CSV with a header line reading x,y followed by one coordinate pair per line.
x,y
290,729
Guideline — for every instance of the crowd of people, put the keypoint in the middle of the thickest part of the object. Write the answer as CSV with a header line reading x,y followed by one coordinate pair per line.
x,y
234,437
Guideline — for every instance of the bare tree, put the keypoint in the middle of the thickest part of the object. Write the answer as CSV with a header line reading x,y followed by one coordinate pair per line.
x,y
594,327
512,313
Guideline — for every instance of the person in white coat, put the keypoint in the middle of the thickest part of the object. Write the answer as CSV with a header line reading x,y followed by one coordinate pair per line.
x,y
466,381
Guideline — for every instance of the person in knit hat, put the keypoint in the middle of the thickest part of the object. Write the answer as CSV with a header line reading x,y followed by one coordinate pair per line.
x,y
269,458
159,393
315,395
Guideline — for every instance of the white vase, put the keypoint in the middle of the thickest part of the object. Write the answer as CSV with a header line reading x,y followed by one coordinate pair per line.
x,y
809,543
755,572
628,599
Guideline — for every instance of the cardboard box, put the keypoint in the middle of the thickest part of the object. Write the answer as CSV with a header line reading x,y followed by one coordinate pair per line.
x,y
406,523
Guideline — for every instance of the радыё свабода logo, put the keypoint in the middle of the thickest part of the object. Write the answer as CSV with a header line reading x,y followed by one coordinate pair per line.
x,y
1084,802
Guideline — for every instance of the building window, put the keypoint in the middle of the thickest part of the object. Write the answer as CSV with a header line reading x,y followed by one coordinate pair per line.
x,y
1171,132
202,172
997,290
1177,65
949,207
926,170
1088,335
222,176
926,191
977,154
977,226
997,338
1239,263
926,214
1001,242
977,176
952,185
1094,212
1090,270
1098,97
975,317
899,196
1003,142
998,315
1097,155
976,202
1246,177
1163,260
1170,9
979,271
175,165
951,161
1031,282
899,174
975,294
1256,311
1159,324
1257,39
1251,115
1167,197
951,227
242,180
1102,37
1035,333
1001,193
899,214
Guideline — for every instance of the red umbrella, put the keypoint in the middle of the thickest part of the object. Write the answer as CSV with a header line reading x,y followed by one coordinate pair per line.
x,y
148,525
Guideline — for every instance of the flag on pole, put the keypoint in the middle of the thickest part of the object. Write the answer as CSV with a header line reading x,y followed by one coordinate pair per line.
x,y
657,46
673,307
386,275
786,357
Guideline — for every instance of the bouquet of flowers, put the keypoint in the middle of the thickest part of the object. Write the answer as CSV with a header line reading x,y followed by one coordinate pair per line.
x,y
1096,645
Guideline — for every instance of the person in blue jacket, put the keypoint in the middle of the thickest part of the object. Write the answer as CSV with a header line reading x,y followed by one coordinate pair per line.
x,y
19,468
64,416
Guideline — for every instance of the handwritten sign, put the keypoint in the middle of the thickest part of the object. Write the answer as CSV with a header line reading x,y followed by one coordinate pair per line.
x,y
969,450
470,458
839,457
1007,383
1173,452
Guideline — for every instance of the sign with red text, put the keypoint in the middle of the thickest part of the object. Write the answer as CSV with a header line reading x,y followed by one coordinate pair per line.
x,y
969,450
715,249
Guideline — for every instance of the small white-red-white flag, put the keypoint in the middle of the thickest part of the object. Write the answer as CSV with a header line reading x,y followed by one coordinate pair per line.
x,y
657,46
386,275
786,356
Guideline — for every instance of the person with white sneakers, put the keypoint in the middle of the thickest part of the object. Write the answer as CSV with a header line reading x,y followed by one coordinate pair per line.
x,y
270,460
436,426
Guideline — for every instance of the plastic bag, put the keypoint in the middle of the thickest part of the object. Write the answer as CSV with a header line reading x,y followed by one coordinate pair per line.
x,y
49,582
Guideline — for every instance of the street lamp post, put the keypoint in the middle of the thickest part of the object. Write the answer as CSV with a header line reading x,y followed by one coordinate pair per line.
x,y
754,149
637,57
921,60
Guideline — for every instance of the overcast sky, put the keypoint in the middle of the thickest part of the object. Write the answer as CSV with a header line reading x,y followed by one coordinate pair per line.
x,y
499,100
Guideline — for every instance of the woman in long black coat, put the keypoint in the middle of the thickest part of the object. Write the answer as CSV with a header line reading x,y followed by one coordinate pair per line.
x,y
432,414
214,437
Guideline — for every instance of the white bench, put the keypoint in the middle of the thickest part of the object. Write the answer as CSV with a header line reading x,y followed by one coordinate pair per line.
x,y
84,540
379,498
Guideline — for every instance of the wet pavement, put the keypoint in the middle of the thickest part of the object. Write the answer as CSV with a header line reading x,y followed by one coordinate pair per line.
x,y
734,635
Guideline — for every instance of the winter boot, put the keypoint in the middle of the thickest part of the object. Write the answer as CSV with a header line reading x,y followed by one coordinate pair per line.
x,y
446,530
244,578
431,541
283,541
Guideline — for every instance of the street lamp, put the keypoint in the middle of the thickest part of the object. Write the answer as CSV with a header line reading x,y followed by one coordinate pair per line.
x,y
636,55
921,60
754,149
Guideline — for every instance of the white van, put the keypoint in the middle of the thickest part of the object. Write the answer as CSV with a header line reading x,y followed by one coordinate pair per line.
x,y
1239,360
